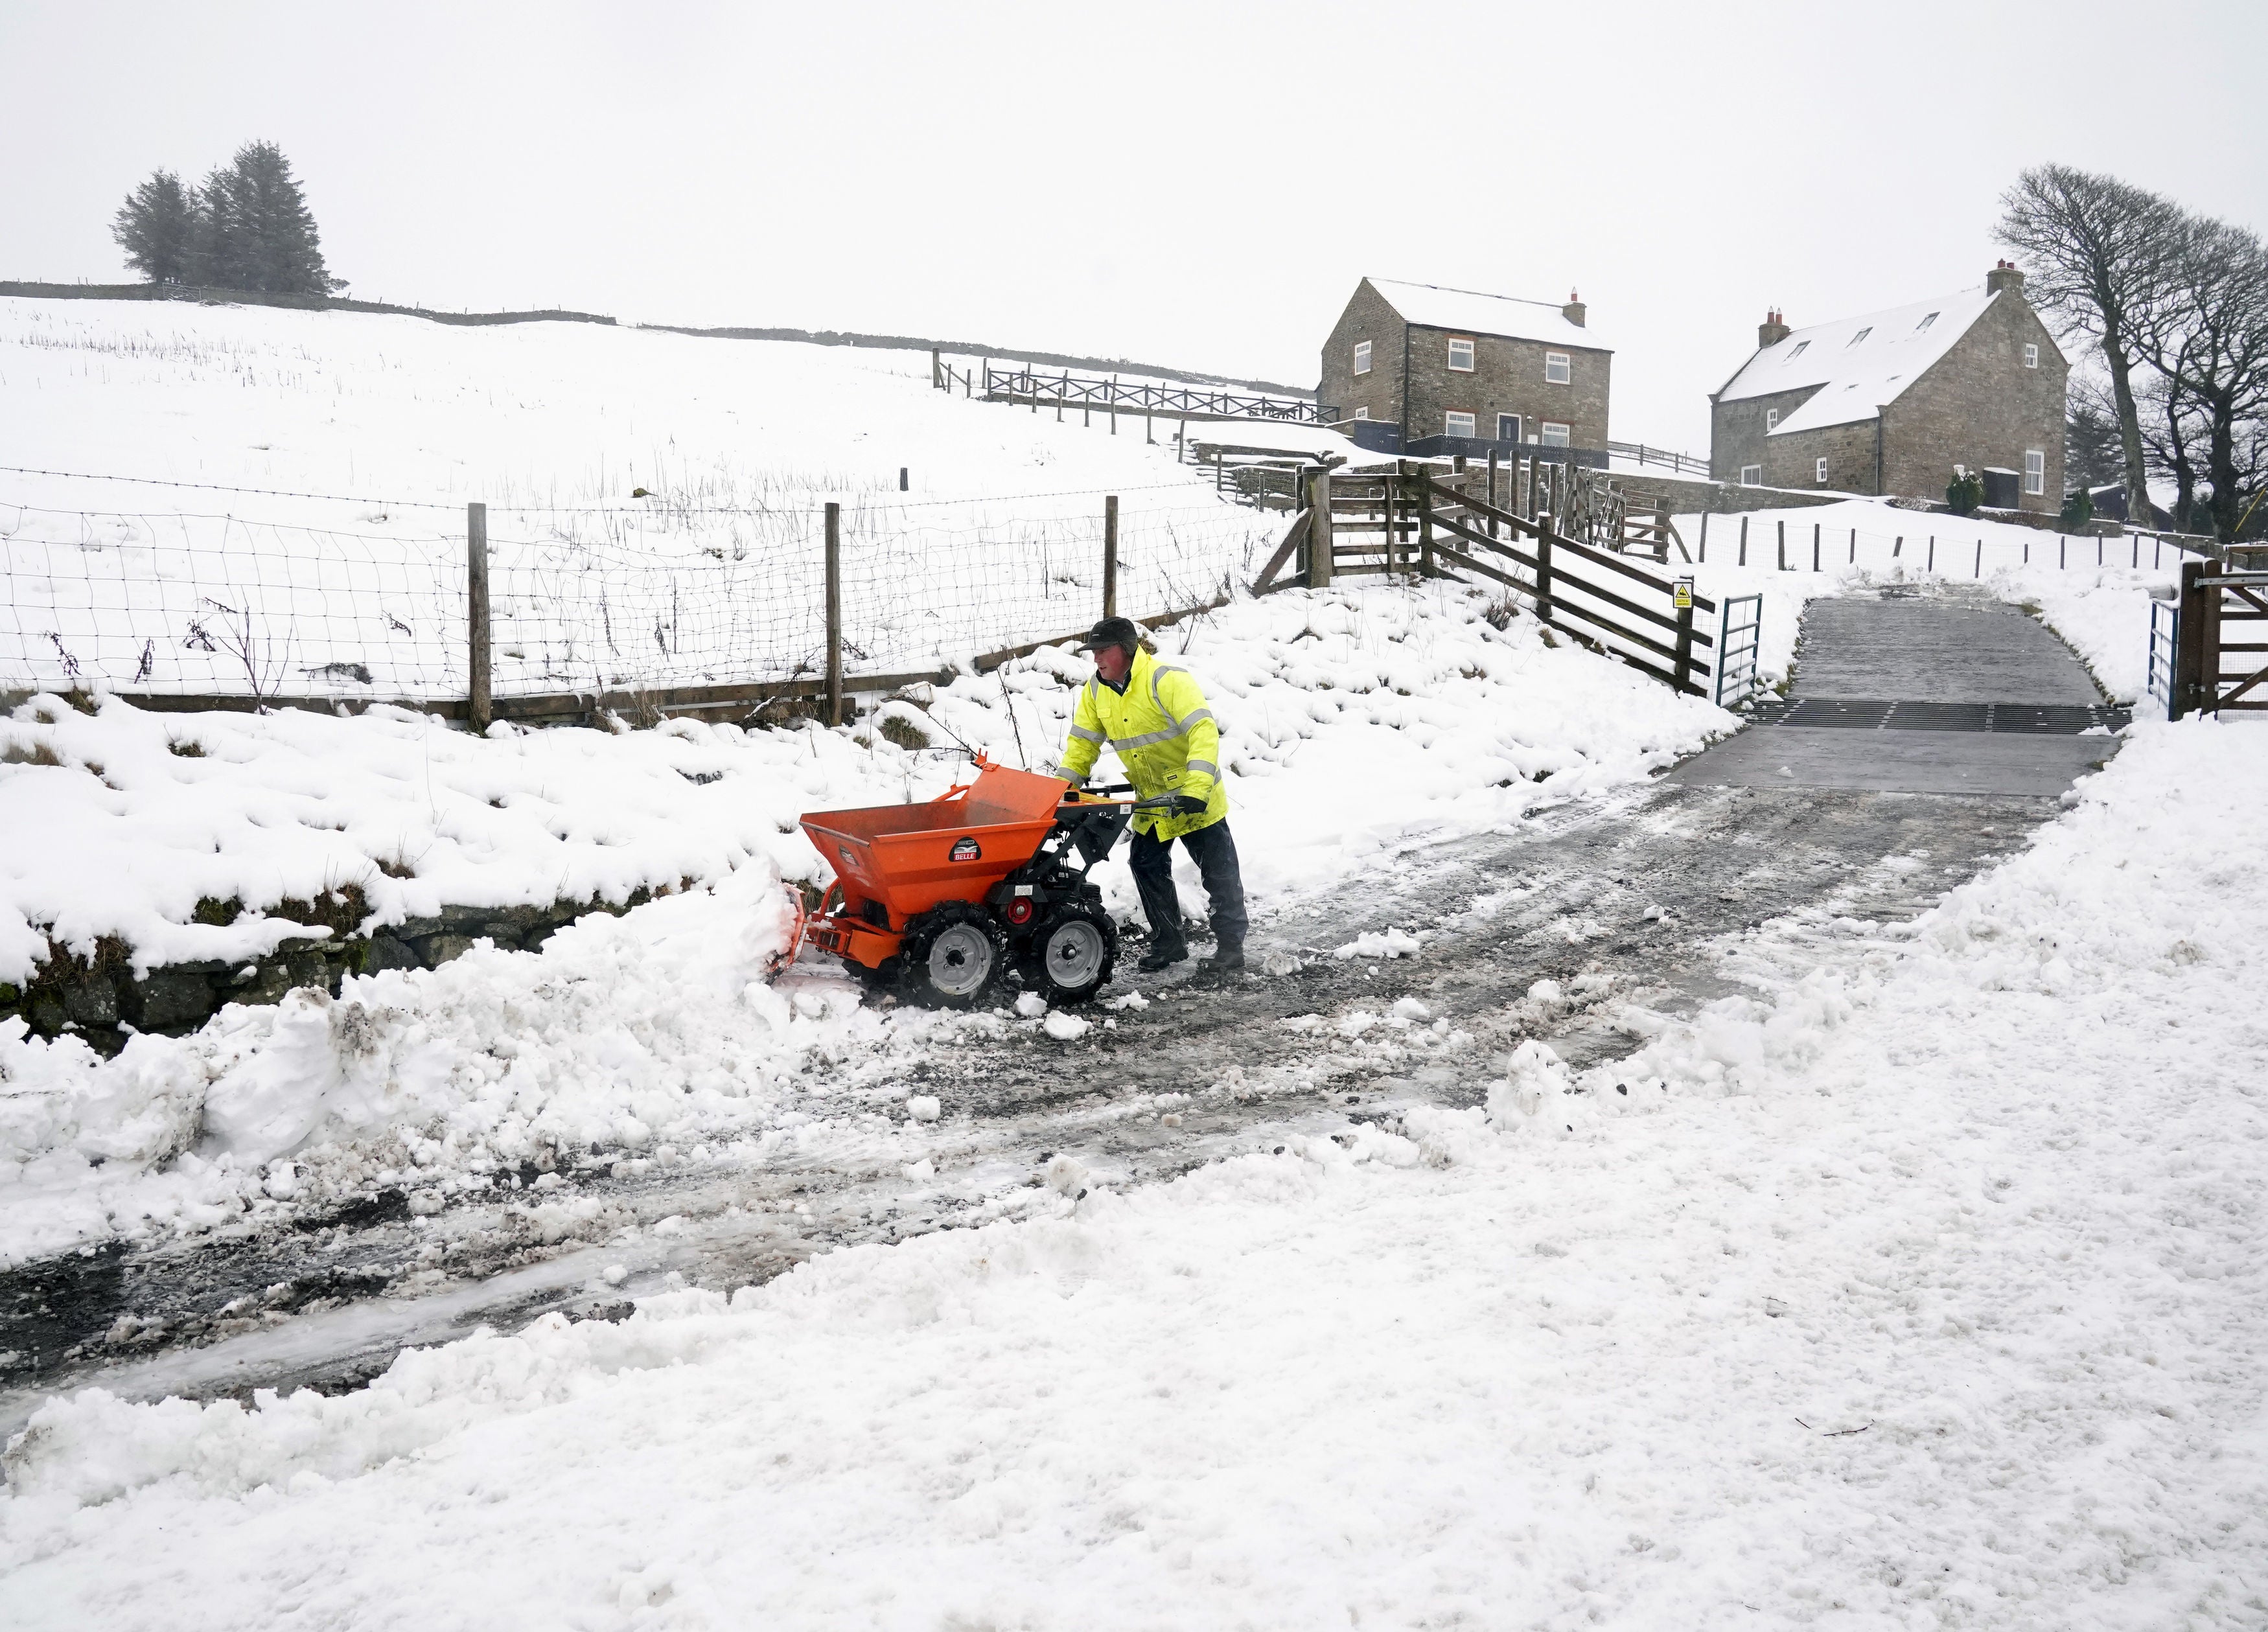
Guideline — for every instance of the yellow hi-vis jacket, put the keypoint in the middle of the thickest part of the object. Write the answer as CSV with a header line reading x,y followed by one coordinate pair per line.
x,y
1165,737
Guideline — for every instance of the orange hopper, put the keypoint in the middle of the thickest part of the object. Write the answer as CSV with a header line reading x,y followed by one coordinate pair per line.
x,y
894,861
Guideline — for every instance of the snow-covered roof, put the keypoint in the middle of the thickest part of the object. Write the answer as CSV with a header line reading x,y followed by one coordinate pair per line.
x,y
1472,312
1859,363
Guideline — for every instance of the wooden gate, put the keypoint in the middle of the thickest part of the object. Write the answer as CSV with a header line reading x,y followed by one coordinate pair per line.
x,y
2212,673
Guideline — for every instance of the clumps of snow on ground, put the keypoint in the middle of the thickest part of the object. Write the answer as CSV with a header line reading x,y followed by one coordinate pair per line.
x,y
1353,722
1929,1286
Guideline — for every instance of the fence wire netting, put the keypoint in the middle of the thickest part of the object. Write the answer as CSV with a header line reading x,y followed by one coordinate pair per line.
x,y
213,604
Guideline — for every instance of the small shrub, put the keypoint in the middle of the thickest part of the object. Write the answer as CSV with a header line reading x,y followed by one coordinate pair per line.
x,y
898,729
28,754
187,749
1964,494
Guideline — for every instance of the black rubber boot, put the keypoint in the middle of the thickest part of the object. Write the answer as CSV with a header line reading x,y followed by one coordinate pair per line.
x,y
1161,958
1226,959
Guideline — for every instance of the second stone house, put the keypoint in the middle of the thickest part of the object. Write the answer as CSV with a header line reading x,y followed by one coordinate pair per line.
x,y
1891,402
1415,369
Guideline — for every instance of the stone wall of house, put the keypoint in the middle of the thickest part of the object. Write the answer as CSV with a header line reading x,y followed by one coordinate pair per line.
x,y
1367,316
1739,436
1507,378
1979,405
1793,460
104,1002
1687,496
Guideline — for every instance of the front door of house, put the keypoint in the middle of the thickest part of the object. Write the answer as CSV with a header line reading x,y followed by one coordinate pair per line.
x,y
1507,428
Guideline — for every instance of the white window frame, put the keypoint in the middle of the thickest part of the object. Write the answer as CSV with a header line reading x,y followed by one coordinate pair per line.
x,y
1772,420
1465,367
2036,471
1562,362
1752,475
1449,419
1361,357
1551,434
2031,356
1819,470
1362,413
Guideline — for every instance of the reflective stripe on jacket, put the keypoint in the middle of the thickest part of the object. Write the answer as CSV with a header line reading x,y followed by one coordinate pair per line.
x,y
1164,735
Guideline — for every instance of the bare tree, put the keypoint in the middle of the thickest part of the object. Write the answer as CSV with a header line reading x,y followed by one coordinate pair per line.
x,y
2172,438
2210,342
2091,454
2100,253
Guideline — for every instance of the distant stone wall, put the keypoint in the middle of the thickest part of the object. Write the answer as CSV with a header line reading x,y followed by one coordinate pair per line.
x,y
104,1002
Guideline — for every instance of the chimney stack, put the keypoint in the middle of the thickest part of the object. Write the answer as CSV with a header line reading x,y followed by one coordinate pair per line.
x,y
2004,276
1771,331
1574,309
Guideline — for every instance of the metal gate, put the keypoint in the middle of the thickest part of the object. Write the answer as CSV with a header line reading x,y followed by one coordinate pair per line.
x,y
1738,640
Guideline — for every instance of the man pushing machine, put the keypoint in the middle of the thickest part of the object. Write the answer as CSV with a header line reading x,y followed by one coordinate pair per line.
x,y
1154,715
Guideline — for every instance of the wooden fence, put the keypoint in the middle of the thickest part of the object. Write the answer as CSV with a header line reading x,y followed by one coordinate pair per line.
x,y
1407,521
2207,672
1093,394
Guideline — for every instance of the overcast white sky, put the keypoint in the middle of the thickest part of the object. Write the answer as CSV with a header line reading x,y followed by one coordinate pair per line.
x,y
1197,185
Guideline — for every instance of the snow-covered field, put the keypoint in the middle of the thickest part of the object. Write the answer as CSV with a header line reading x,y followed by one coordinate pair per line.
x,y
717,577
1353,722
1926,1292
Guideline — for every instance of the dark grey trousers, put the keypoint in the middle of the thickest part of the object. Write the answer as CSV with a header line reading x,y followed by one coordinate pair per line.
x,y
1214,852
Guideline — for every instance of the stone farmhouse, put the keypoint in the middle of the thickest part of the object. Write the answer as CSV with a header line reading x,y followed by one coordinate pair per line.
x,y
1416,369
1891,402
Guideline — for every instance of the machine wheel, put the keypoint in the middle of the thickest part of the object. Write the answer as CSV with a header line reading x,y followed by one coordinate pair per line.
x,y
1072,952
951,957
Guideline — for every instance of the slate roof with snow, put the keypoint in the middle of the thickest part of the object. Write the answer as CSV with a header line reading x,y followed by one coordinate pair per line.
x,y
1426,306
1859,363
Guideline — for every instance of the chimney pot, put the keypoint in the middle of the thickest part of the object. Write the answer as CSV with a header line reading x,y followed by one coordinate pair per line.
x,y
1574,310
2004,277
1771,331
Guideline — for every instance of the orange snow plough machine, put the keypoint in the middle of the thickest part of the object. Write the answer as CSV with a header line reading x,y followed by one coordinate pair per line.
x,y
942,902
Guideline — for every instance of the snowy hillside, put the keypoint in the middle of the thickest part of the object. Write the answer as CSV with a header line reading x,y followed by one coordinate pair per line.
x,y
715,577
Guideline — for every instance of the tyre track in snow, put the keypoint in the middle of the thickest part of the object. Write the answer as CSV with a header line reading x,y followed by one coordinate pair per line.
x,y
1633,901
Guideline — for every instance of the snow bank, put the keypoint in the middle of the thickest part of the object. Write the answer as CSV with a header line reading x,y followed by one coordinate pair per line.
x,y
1353,723
1930,1288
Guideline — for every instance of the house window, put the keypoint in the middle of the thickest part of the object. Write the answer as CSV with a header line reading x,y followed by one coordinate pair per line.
x,y
1819,471
1362,413
2035,472
1558,368
1772,419
1861,336
1362,357
1507,428
1552,436
1925,322
1802,346
1752,475
1460,356
2031,357
1457,424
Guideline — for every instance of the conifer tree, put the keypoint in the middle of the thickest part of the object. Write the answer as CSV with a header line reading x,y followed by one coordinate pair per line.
x,y
156,226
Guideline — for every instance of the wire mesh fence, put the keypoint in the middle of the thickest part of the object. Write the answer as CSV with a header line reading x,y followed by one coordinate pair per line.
x,y
583,602
1929,550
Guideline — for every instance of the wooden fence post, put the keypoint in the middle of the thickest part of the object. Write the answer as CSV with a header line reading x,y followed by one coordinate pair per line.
x,y
2188,644
1744,540
936,371
1424,494
1320,560
833,614
479,707
1782,526
1492,499
1685,642
1705,535
1543,568
1814,546
1110,555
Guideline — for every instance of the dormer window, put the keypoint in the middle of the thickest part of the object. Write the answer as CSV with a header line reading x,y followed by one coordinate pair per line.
x,y
1460,356
1802,346
1861,336
1362,357
1558,367
1925,322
